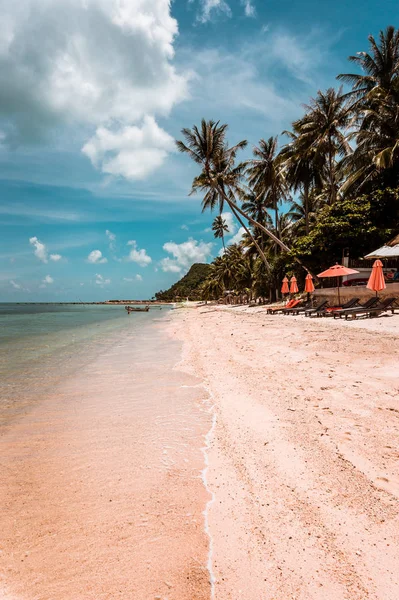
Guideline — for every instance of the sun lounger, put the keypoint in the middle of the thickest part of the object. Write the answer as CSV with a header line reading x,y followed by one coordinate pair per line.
x,y
297,309
375,311
337,314
307,311
330,310
276,309
319,309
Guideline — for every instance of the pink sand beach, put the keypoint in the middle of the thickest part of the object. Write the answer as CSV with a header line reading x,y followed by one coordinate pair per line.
x,y
236,455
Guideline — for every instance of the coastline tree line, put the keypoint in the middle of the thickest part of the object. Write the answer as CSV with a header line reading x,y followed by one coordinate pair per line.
x,y
338,174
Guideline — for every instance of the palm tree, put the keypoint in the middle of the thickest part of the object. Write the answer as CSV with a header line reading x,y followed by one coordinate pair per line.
x,y
220,180
219,228
303,212
379,66
376,114
376,156
321,131
303,170
265,176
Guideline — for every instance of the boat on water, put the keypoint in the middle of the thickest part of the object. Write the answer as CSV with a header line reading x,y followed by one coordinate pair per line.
x,y
137,309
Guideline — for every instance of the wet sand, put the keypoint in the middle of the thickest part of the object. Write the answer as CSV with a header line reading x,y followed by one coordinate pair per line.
x,y
305,453
101,487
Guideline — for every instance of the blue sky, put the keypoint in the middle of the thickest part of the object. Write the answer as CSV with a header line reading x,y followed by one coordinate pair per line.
x,y
93,197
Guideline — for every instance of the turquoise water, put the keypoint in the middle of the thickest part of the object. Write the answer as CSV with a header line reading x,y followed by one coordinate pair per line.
x,y
42,343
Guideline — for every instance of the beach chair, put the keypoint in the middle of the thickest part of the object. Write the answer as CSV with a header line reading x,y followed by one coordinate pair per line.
x,y
318,309
375,311
278,309
337,314
274,309
302,307
330,310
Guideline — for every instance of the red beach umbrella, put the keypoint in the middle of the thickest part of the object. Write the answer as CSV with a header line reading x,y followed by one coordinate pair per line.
x,y
284,288
337,271
293,286
309,287
377,279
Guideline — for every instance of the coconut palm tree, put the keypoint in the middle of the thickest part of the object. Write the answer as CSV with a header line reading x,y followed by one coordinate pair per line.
x,y
376,156
376,115
379,66
303,170
219,228
220,179
321,130
303,212
265,177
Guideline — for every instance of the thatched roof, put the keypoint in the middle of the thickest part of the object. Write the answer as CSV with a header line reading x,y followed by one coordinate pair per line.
x,y
394,241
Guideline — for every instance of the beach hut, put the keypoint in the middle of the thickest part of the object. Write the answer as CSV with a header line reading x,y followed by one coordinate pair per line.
x,y
389,250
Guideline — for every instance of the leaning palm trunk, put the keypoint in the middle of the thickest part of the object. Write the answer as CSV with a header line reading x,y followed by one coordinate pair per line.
x,y
271,235
306,197
259,249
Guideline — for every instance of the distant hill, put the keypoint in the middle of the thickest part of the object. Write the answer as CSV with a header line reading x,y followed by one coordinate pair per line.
x,y
188,286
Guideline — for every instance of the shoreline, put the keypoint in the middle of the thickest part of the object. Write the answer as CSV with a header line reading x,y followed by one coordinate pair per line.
x,y
106,478
302,460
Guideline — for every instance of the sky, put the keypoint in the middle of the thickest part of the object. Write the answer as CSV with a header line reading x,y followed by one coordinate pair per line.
x,y
94,198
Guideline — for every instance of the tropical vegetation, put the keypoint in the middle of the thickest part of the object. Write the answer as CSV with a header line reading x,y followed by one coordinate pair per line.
x,y
189,286
327,186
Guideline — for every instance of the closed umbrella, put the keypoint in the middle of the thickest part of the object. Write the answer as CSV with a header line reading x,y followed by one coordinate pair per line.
x,y
337,271
284,288
293,286
377,279
309,287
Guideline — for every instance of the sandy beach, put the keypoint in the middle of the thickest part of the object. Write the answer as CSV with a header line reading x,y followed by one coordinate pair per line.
x,y
215,454
304,456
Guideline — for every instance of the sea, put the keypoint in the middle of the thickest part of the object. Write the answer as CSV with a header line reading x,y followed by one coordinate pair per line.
x,y
41,344
103,440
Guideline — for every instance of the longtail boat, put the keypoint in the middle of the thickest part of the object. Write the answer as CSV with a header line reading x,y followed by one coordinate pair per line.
x,y
137,309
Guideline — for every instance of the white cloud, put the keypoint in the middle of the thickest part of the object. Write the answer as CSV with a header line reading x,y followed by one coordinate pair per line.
x,y
211,7
185,255
96,257
132,152
111,238
184,227
41,251
249,8
238,236
101,281
137,255
48,279
90,65
15,285
230,221
170,266
139,278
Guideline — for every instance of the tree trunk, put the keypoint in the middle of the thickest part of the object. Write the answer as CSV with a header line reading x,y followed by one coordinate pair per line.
x,y
261,253
262,228
332,172
306,198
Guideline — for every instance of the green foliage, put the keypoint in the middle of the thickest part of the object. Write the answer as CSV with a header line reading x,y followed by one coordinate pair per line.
x,y
360,224
189,286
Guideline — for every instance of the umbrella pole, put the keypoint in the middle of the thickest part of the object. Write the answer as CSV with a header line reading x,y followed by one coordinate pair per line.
x,y
339,299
